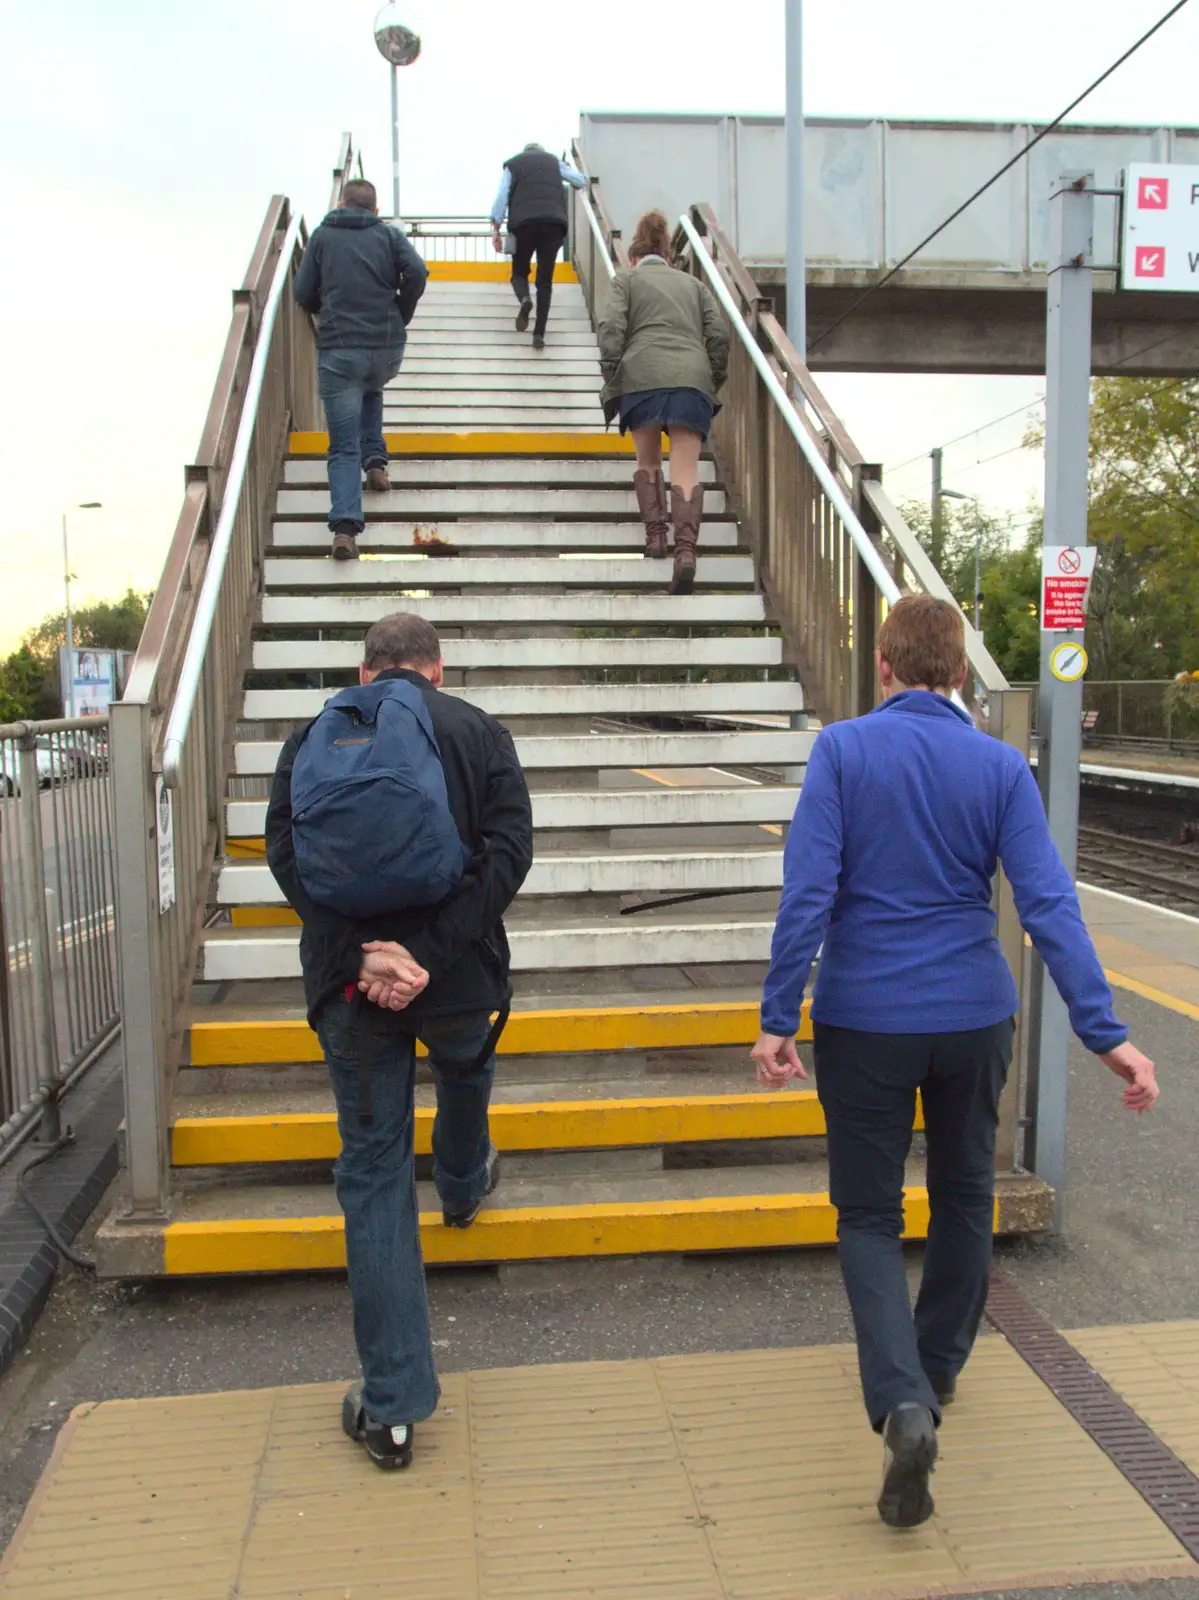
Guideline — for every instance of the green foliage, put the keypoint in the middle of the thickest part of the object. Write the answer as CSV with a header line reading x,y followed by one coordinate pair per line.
x,y
1009,572
29,685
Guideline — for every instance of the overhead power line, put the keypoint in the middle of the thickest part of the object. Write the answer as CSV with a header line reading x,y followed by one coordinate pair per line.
x,y
994,179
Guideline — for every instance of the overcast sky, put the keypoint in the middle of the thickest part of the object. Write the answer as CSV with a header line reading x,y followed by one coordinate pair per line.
x,y
140,143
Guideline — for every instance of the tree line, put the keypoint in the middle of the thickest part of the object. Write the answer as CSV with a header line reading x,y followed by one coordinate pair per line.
x,y
30,689
1143,619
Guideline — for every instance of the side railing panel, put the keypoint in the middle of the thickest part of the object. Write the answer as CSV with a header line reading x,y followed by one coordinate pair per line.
x,y
596,247
452,238
832,550
172,733
58,979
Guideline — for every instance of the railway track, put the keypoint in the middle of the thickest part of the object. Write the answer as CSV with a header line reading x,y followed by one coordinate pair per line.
x,y
1166,874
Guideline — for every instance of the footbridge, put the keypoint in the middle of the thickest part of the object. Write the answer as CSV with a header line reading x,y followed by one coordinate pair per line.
x,y
664,737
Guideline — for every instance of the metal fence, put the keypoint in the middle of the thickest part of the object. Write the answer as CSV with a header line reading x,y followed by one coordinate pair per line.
x,y
59,991
1148,712
452,238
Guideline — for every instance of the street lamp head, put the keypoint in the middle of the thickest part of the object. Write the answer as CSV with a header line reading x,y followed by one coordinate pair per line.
x,y
397,39
90,505
955,494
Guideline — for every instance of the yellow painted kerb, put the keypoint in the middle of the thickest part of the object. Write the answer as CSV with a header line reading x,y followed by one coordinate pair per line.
x,y
749,1222
483,443
243,1044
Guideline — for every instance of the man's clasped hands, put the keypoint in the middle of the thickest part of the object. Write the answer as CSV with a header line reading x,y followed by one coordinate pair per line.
x,y
390,977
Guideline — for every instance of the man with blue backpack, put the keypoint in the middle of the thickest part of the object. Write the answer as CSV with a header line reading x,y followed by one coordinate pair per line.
x,y
400,830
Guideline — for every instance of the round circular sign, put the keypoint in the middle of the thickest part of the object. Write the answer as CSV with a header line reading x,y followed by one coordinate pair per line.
x,y
1069,560
396,36
1068,662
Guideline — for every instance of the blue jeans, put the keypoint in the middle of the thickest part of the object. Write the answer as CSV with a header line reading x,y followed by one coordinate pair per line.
x,y
867,1084
377,1191
351,384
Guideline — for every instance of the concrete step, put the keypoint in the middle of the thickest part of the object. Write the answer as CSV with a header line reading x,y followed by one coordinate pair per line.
x,y
609,808
614,1032
230,954
460,472
419,417
415,378
441,292
521,655
617,751
497,501
253,1228
569,334
454,399
500,534
506,700
582,608
434,315
537,366
234,1130
249,883
426,572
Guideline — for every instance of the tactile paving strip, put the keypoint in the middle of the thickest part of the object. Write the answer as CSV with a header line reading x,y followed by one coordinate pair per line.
x,y
1166,1483
716,1477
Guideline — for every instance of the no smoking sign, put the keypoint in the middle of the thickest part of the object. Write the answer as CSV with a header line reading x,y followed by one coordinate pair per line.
x,y
1066,572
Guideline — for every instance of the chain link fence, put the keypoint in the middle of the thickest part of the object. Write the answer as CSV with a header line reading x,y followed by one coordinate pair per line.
x,y
58,981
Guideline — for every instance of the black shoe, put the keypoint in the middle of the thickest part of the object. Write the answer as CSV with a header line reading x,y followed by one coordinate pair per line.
x,y
388,1447
944,1386
909,1455
539,341
463,1219
526,311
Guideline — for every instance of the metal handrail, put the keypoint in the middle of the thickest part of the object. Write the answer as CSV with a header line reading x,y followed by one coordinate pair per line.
x,y
863,544
584,199
197,645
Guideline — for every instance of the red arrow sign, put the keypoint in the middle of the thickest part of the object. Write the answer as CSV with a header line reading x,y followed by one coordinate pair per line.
x,y
1151,261
1153,194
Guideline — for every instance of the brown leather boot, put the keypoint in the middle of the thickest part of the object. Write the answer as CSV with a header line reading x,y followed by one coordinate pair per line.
x,y
377,481
686,512
651,502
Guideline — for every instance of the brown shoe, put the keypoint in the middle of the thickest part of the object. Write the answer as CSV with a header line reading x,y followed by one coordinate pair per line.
x,y
345,542
651,502
377,481
686,512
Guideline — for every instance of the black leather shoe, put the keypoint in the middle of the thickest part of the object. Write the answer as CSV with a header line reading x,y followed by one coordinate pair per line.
x,y
944,1386
388,1447
909,1456
539,341
463,1219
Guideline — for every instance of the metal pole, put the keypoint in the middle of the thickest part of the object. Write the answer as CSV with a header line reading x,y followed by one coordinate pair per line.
x,y
797,273
395,141
1067,448
37,931
978,552
938,537
66,578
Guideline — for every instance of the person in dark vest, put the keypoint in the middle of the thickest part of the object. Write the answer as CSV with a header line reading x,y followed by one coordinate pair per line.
x,y
531,195
373,987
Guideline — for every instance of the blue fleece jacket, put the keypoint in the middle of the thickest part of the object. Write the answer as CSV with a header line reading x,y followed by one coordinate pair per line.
x,y
902,819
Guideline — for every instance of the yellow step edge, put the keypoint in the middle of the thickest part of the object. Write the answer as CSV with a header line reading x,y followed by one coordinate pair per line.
x,y
647,1227
497,271
543,1125
279,1041
264,917
246,849
483,443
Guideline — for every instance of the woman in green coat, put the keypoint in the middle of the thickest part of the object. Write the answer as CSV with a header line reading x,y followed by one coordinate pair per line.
x,y
664,352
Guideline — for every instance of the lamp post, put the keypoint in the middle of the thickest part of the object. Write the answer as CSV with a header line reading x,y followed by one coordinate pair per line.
x,y
797,270
956,494
85,505
399,43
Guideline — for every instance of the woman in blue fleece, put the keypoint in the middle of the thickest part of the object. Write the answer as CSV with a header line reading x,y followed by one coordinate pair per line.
x,y
903,818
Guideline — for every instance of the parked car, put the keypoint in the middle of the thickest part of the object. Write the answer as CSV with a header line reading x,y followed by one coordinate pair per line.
x,y
10,776
51,763
86,755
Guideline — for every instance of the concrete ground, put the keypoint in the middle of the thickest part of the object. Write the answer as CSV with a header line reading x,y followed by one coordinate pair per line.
x,y
1128,1255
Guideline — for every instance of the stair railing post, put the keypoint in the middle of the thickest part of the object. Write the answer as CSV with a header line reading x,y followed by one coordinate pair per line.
x,y
864,623
1009,718
37,932
143,1004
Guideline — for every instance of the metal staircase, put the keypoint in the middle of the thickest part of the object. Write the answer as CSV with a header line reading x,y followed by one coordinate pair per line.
x,y
663,738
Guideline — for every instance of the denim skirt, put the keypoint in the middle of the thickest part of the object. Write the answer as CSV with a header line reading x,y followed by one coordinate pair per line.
x,y
668,408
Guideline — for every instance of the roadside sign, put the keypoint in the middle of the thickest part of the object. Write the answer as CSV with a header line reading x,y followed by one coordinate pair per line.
x,y
1161,229
1068,662
1066,572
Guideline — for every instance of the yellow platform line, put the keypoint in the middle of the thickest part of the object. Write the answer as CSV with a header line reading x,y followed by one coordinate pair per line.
x,y
281,1040
498,271
1172,1002
644,1227
482,443
543,1125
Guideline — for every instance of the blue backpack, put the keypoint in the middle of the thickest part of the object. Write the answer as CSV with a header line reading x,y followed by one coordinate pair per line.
x,y
371,822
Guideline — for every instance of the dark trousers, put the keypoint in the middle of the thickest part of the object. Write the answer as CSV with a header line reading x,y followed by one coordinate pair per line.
x,y
867,1084
543,240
